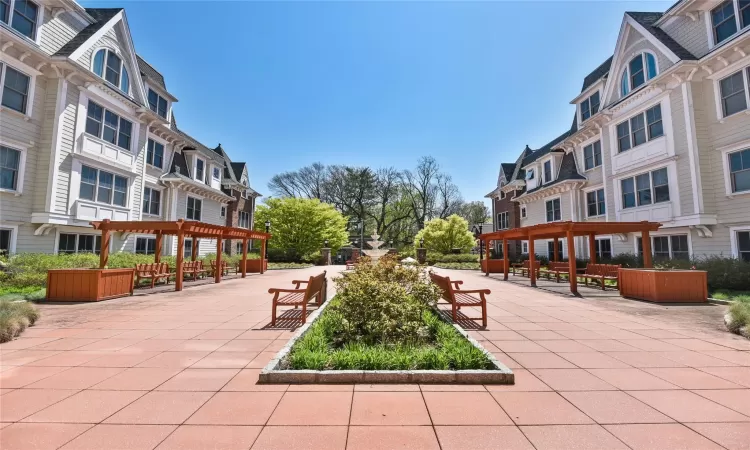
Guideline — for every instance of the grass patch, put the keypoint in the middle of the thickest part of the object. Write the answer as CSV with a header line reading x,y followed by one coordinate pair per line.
x,y
443,349
458,265
15,317
725,294
280,266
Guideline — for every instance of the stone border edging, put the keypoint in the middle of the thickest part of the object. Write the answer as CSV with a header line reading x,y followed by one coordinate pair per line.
x,y
271,374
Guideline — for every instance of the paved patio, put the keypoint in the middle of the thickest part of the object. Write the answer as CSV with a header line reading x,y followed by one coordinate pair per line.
x,y
179,370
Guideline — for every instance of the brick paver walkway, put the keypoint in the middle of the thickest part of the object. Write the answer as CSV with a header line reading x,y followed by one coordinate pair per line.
x,y
179,370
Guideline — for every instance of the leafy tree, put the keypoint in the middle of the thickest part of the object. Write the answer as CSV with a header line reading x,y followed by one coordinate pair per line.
x,y
475,212
301,225
443,235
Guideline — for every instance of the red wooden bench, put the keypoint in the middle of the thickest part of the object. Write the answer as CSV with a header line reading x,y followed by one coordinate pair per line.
x,y
153,272
193,268
602,273
350,263
316,289
459,297
524,268
556,269
225,267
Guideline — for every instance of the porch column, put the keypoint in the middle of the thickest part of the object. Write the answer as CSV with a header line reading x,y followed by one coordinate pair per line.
x,y
244,258
647,256
556,249
506,260
104,251
180,256
157,252
219,270
532,262
194,254
592,248
487,257
262,254
572,273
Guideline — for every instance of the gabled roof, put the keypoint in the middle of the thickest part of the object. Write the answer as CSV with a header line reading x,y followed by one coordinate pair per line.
x,y
568,172
149,72
544,150
597,74
647,20
101,17
508,169
238,168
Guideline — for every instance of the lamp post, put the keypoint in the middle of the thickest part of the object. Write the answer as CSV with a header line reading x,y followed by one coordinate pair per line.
x,y
325,243
421,243
268,230
481,242
361,227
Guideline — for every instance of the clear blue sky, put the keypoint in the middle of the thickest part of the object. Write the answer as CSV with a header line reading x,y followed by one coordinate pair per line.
x,y
282,85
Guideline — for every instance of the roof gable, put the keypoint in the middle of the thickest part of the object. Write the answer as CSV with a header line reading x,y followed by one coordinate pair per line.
x,y
151,74
596,74
101,17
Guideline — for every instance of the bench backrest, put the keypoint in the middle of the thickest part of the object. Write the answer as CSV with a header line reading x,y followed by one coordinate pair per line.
x,y
444,283
213,264
607,270
159,268
553,265
527,264
191,265
315,287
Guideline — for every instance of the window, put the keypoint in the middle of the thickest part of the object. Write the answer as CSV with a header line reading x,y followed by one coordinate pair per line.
x,y
223,212
639,70
110,67
188,248
502,195
743,245
194,206
561,250
145,246
5,241
79,243
670,247
603,249
503,222
199,169
590,106
553,210
155,154
103,187
244,219
238,248
595,203
108,126
217,173
151,201
10,162
547,171
15,88
157,103
739,170
592,155
24,18
633,132
733,93
723,21
530,174
645,189
744,13
523,212
525,247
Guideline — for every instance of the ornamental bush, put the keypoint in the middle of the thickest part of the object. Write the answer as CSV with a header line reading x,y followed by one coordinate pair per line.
x,y
444,235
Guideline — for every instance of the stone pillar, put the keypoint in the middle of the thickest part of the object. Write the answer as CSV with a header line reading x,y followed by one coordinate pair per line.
x,y
325,256
422,255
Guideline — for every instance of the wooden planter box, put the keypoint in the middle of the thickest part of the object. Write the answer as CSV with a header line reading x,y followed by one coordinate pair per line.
x,y
88,285
664,286
496,265
253,265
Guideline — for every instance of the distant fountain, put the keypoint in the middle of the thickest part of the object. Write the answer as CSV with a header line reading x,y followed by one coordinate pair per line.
x,y
375,252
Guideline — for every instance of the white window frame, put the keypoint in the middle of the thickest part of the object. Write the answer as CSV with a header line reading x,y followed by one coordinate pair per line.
x,y
642,112
240,214
562,248
710,26
651,186
725,152
96,186
215,169
587,100
187,200
598,248
23,148
502,195
506,215
524,247
223,212
523,212
7,60
13,235
195,170
123,67
586,192
159,96
745,69
665,234
161,200
552,168
601,155
133,127
734,240
39,20
135,244
551,199
164,152
529,174
78,236
626,70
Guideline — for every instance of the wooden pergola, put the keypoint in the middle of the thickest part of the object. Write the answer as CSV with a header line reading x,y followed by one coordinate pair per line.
x,y
182,229
568,231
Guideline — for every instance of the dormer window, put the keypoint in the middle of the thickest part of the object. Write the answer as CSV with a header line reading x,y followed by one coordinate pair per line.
x,y
24,16
157,103
110,67
548,171
199,169
590,106
728,17
639,70
530,174
217,173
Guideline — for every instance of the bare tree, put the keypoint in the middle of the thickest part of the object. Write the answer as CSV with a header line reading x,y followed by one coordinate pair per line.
x,y
306,182
388,209
350,190
421,189
448,198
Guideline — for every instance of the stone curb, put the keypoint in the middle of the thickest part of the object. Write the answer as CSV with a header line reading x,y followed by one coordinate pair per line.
x,y
272,374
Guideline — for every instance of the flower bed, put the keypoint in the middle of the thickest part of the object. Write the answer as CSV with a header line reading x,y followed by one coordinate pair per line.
x,y
383,327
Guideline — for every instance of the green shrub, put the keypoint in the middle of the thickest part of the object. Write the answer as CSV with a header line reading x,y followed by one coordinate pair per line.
x,y
15,317
460,258
739,313
458,265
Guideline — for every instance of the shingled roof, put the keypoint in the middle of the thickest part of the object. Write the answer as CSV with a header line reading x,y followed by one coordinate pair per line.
x,y
647,20
149,72
101,16
508,169
568,172
597,74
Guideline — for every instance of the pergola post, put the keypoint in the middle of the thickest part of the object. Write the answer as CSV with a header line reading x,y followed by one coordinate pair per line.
x,y
572,273
262,254
194,249
104,251
244,258
180,257
532,262
592,248
647,257
556,250
506,260
218,270
487,258
157,251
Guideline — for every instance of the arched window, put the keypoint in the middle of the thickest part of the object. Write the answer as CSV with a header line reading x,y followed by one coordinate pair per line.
x,y
639,70
110,67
